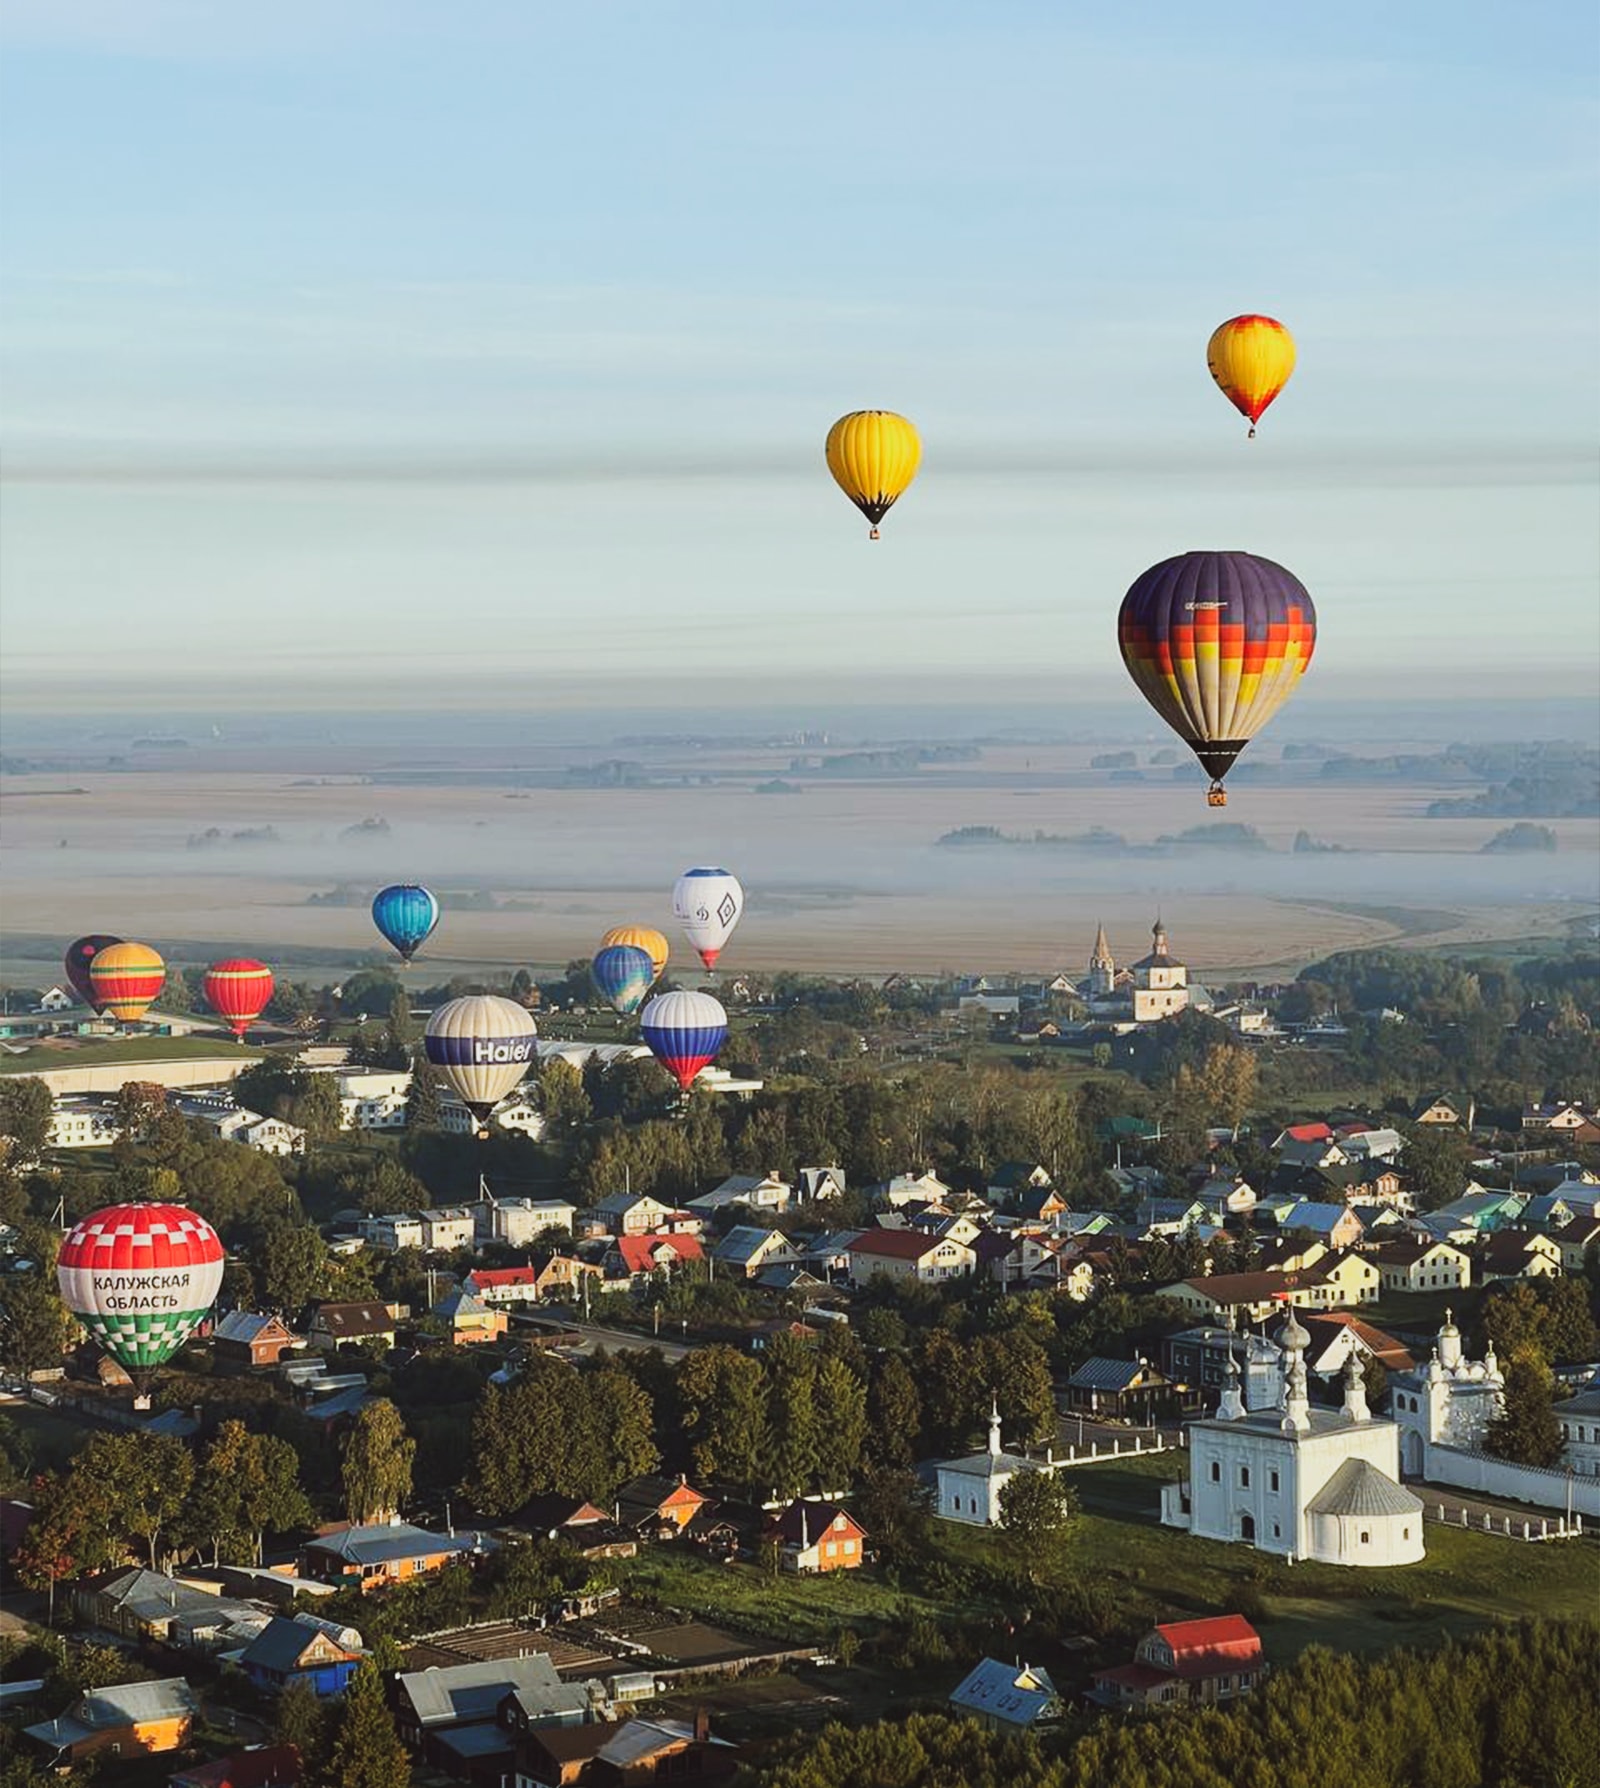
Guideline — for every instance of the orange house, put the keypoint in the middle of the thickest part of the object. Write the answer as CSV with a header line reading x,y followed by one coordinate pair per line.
x,y
818,1536
661,1504
131,1719
380,1554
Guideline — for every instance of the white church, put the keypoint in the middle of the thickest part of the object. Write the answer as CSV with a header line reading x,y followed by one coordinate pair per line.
x,y
1155,987
1300,1482
968,1489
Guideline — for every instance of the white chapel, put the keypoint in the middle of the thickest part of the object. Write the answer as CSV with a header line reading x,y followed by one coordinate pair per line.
x,y
1297,1481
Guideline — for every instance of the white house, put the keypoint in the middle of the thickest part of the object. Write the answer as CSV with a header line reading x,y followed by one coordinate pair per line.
x,y
761,1192
55,1000
81,1124
627,1213
913,1188
446,1229
395,1230
907,1254
518,1113
1580,1429
1297,1481
519,1221
373,1098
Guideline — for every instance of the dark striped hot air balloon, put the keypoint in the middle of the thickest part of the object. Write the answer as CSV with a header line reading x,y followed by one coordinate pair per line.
x,y
1217,643
80,953
127,980
238,990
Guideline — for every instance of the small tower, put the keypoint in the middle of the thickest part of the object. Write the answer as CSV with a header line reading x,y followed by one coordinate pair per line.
x,y
1158,938
1355,1391
1231,1408
1296,1401
1449,1343
1102,967
994,1428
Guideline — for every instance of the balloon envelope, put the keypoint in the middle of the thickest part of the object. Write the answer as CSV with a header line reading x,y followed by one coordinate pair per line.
x,y
238,990
707,904
484,1047
126,980
405,914
622,973
643,937
1217,643
1251,358
684,1031
80,953
873,456
140,1278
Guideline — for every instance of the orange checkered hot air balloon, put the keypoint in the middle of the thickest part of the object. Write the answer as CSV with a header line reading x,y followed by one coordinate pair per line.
x,y
238,990
1217,643
1251,358
127,980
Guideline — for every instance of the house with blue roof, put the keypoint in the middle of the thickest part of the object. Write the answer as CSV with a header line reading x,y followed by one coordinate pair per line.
x,y
1005,1698
1335,1224
1483,1211
385,1552
288,1651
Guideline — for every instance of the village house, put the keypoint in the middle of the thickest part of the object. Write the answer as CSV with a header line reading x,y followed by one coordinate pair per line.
x,y
1007,1698
77,1123
383,1553
562,1276
1435,1108
518,1222
468,1320
1227,1195
1012,1178
634,1753
1334,1281
909,1188
1575,1239
968,1489
143,1606
1415,1263
1336,1335
1196,1361
907,1254
262,1766
1481,1211
817,1537
339,1325
623,1213
1511,1254
759,1191
393,1231
131,1719
445,1230
1124,1390
503,1287
749,1251
431,1703
1579,1417
663,1506
1186,1663
288,1651
812,1183
1335,1225
1561,1114
248,1339
518,1113
635,1259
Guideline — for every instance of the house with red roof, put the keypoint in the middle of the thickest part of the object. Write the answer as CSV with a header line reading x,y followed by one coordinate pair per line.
x,y
263,1766
634,1258
907,1254
503,1286
1186,1663
817,1536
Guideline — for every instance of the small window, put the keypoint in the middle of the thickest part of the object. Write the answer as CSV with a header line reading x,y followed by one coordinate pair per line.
x,y
1277,1532
1216,1472
1366,1539
1272,1480
1405,1533
1244,1477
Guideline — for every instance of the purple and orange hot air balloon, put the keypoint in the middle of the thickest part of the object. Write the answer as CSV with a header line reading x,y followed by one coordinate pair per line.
x,y
1217,643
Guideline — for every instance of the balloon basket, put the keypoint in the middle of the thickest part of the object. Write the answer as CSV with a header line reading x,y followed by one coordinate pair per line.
x,y
142,1400
1216,795
873,535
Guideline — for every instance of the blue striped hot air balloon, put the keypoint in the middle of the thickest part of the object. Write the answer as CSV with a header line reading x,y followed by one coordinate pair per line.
x,y
684,1031
622,973
405,914
484,1046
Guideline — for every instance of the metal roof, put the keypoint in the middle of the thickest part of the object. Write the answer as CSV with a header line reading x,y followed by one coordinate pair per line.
x,y
462,1692
1359,1488
1003,1692
1107,1375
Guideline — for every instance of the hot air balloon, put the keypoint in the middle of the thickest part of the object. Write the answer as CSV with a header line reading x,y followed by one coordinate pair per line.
x,y
485,1046
684,1031
707,904
140,1278
238,990
405,914
1217,643
873,456
1251,358
80,953
126,980
622,973
642,937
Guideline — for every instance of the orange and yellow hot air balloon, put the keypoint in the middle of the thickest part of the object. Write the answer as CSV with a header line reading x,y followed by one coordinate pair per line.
x,y
873,456
641,937
127,980
1251,358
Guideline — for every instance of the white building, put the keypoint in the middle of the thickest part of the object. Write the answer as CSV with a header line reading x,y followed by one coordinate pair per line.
x,y
1154,988
1580,1428
373,1098
55,1000
518,1113
1449,1402
233,1123
82,1124
519,1221
969,1489
1299,1482
394,1230
446,1229
761,1192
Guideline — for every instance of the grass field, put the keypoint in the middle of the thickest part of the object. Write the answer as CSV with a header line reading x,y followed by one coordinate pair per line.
x,y
42,1058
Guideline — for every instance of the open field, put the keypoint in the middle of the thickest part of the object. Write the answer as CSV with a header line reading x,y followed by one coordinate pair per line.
x,y
845,877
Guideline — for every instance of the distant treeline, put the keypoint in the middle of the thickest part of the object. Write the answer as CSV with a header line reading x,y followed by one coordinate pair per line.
x,y
896,761
1225,835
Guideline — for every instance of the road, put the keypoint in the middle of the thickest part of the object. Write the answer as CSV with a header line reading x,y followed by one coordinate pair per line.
x,y
630,1340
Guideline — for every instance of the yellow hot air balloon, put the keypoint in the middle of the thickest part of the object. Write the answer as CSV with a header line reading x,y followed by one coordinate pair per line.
x,y
642,937
873,456
127,980
1251,358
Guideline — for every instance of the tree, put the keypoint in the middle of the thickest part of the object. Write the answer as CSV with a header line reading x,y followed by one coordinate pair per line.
x,y
1435,1164
293,1259
315,1107
246,1485
148,1477
1038,1511
69,1535
376,1468
841,1404
422,1097
303,1720
400,1028
794,1424
34,1328
26,1106
562,1099
894,1415
1526,1431
367,1753
722,1397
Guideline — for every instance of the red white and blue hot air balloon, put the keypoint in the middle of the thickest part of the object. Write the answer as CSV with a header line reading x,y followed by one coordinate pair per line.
x,y
684,1031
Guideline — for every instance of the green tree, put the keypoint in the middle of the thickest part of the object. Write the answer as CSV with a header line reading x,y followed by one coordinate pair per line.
x,y
367,1753
245,1485
34,1328
1435,1164
792,1450
841,1403
70,1534
422,1096
315,1107
400,1028
149,1477
618,1413
304,1720
293,1260
894,1415
722,1399
1526,1431
16,1457
1038,1510
26,1106
376,1467
562,1099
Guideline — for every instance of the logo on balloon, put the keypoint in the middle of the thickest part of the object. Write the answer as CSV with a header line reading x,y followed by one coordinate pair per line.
x,y
727,909
519,1049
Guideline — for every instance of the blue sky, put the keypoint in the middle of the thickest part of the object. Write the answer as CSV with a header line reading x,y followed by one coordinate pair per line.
x,y
503,353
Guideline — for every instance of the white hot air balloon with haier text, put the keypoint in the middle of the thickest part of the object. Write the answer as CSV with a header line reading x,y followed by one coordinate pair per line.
x,y
707,904
484,1046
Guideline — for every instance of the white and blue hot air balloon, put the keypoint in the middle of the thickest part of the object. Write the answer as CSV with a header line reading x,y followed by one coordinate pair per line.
x,y
622,973
707,904
684,1031
484,1046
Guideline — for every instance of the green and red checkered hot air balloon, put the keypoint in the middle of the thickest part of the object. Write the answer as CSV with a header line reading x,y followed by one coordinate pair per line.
x,y
140,1278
